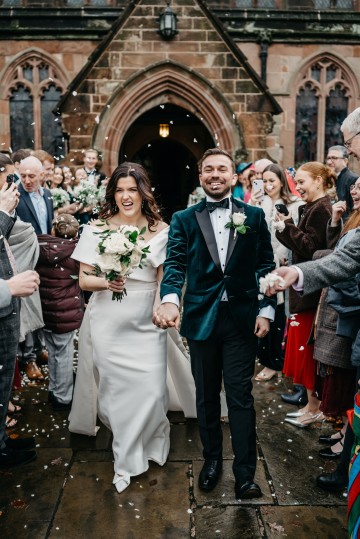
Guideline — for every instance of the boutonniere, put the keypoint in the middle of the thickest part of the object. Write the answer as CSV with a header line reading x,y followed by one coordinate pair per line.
x,y
237,223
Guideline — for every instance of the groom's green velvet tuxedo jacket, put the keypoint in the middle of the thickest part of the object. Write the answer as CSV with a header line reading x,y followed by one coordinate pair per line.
x,y
192,254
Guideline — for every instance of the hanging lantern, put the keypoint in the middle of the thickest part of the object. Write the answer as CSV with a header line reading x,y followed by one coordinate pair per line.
x,y
164,130
167,22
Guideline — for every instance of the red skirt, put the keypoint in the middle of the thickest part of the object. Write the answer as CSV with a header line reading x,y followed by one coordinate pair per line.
x,y
299,356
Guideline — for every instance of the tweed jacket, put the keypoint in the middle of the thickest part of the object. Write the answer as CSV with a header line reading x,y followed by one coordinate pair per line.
x,y
344,263
6,271
303,240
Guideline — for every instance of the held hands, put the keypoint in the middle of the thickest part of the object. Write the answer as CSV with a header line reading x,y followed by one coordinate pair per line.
x,y
9,197
24,284
338,209
262,327
166,316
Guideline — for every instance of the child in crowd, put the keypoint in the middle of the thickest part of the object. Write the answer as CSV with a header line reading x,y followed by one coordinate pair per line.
x,y
62,304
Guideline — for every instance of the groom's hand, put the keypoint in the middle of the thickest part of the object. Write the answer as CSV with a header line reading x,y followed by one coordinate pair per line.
x,y
262,326
290,276
167,316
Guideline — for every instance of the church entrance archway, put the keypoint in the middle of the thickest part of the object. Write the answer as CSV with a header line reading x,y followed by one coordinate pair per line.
x,y
171,161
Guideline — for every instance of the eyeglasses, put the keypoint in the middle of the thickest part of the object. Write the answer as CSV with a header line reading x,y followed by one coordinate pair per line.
x,y
348,142
333,158
354,187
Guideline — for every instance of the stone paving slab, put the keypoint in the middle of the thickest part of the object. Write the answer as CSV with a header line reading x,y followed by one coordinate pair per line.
x,y
29,494
224,493
227,523
304,522
154,506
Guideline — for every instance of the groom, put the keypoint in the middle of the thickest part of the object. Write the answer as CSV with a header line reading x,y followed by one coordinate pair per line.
x,y
222,316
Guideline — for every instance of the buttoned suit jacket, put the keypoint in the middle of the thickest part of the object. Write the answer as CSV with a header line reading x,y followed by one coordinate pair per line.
x,y
192,254
332,269
26,211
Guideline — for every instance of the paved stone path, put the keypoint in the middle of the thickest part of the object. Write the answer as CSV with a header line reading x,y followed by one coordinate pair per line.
x,y
67,492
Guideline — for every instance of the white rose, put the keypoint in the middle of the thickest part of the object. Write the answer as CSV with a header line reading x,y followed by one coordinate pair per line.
x,y
117,244
107,263
239,218
135,259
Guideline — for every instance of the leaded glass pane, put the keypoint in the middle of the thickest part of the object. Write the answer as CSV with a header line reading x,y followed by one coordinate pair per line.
x,y
336,112
12,3
330,73
98,2
322,4
43,72
75,3
244,3
315,72
266,3
51,133
306,125
28,73
21,119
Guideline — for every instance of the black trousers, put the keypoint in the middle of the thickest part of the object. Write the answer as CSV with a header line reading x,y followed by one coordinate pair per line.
x,y
270,349
228,355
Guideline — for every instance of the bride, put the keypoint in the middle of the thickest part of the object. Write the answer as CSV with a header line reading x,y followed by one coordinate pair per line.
x,y
128,351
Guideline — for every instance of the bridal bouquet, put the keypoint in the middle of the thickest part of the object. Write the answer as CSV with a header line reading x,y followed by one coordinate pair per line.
x,y
120,252
86,193
59,197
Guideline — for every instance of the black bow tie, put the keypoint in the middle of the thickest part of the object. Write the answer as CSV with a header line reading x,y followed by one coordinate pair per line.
x,y
91,173
211,206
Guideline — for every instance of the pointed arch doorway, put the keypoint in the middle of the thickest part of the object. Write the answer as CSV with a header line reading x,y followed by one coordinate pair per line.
x,y
170,161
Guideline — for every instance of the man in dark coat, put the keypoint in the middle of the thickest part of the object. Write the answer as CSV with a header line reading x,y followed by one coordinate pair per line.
x,y
337,159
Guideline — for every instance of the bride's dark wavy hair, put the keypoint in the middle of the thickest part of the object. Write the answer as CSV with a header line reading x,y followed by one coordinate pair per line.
x,y
149,207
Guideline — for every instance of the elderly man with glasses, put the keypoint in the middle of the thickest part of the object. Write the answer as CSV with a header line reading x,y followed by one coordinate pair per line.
x,y
337,159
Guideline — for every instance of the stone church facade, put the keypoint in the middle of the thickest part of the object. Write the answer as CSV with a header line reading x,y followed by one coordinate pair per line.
x,y
260,78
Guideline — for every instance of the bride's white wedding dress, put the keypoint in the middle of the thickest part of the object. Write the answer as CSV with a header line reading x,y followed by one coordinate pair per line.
x,y
122,367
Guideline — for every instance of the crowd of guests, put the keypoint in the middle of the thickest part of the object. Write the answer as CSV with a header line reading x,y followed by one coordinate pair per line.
x,y
308,213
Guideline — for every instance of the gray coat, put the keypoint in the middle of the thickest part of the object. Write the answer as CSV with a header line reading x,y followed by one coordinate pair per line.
x,y
332,269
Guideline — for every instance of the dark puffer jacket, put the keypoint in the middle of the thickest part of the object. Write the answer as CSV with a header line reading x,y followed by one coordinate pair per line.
x,y
61,297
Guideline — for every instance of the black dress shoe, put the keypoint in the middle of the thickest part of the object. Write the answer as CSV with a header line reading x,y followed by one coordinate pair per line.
x,y
297,397
209,475
328,453
9,457
247,491
19,444
328,440
333,482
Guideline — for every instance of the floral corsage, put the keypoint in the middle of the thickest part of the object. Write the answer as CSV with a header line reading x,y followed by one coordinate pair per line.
x,y
237,223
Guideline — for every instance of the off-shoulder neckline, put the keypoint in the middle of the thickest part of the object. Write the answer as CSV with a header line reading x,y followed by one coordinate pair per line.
x,y
148,241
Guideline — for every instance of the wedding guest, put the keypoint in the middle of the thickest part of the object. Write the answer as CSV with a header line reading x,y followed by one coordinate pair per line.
x,y
63,316
270,349
309,235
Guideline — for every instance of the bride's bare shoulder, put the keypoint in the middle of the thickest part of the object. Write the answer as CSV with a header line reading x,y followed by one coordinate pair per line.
x,y
161,225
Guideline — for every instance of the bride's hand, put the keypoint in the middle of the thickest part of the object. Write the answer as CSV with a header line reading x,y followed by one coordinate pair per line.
x,y
118,285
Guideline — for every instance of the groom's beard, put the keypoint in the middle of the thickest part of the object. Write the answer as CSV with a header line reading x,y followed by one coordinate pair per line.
x,y
217,194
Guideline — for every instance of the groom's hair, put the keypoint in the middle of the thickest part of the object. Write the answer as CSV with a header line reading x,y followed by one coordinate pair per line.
x,y
215,151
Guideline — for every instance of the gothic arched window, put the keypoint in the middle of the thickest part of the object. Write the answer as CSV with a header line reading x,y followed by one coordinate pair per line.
x,y
34,92
322,103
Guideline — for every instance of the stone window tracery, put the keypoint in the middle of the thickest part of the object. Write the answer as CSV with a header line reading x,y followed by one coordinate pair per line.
x,y
33,93
322,103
